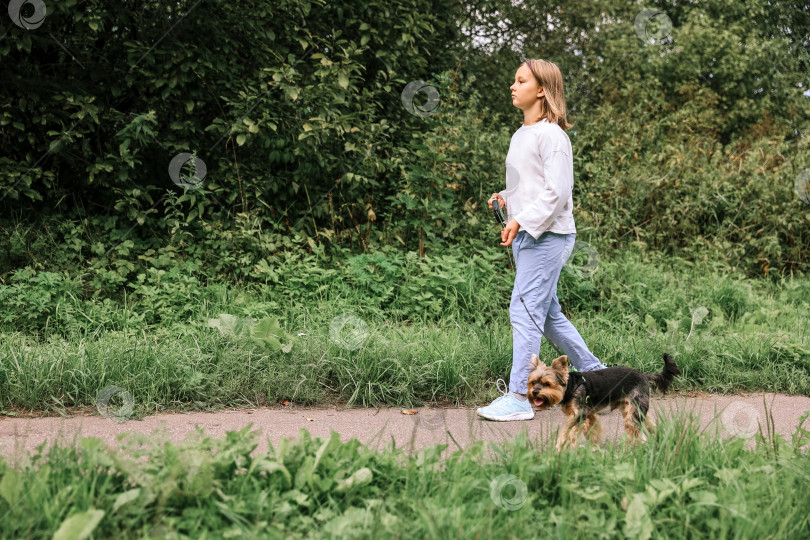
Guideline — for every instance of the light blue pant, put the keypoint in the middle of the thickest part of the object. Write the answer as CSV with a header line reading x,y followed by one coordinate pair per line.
x,y
539,263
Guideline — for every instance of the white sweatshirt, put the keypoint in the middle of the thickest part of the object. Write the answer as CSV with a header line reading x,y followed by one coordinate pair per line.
x,y
540,179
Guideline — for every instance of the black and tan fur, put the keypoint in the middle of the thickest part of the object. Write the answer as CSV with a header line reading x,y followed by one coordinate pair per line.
x,y
582,395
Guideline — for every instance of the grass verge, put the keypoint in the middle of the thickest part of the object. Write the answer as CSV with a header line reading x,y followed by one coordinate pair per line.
x,y
176,345
681,484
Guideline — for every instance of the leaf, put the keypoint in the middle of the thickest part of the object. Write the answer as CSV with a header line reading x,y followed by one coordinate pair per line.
x,y
703,497
360,477
79,526
326,446
126,497
637,520
240,139
268,332
271,467
11,487
727,476
229,324
57,145
343,80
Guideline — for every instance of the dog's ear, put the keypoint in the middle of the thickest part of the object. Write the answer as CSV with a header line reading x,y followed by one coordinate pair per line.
x,y
560,364
536,362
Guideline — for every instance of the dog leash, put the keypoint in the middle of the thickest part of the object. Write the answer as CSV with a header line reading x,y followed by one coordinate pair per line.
x,y
496,208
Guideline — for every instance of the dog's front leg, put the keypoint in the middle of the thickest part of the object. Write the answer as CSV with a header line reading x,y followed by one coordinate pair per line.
x,y
649,423
568,436
592,429
561,438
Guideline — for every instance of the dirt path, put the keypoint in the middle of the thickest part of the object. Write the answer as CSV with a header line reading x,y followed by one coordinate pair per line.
x,y
458,427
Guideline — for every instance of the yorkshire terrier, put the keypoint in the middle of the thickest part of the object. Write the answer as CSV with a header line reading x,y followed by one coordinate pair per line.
x,y
582,395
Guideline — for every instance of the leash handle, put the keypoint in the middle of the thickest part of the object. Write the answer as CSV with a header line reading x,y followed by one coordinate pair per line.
x,y
496,209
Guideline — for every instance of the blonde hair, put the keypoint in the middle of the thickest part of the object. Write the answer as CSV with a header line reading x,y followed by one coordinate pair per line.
x,y
552,106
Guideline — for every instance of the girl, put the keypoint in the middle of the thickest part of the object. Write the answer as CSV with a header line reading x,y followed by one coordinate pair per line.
x,y
538,198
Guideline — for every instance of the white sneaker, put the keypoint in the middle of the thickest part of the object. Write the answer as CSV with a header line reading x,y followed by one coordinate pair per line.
x,y
506,407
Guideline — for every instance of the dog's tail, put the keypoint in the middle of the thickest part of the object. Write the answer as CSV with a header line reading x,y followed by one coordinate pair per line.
x,y
662,380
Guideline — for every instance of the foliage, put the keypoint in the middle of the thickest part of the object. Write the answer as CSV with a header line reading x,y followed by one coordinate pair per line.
x,y
384,329
308,147
682,483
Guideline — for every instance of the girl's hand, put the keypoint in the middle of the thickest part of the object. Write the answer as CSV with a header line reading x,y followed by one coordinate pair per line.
x,y
501,202
509,232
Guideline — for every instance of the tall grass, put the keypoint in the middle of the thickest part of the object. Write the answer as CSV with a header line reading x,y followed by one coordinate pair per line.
x,y
681,484
727,335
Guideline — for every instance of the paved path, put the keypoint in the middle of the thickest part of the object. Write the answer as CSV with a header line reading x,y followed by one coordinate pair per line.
x,y
458,427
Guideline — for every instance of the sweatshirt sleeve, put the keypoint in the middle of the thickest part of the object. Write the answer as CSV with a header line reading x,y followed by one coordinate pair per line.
x,y
538,216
